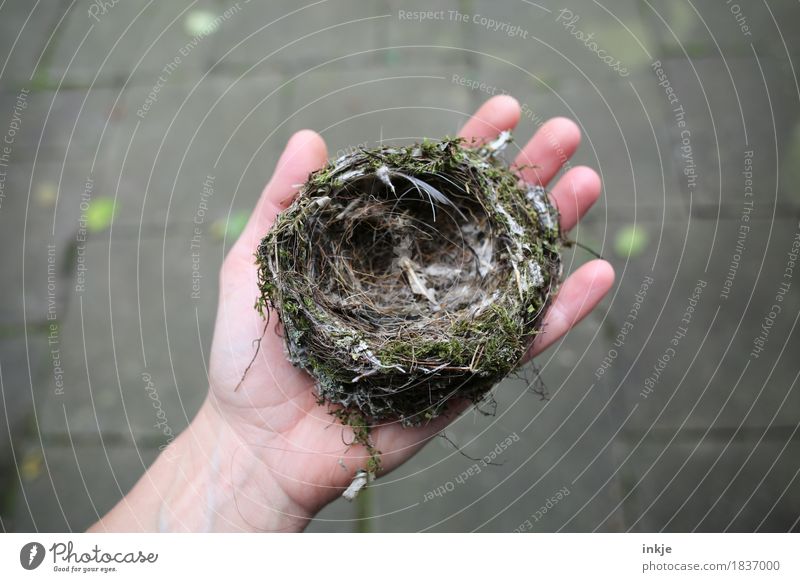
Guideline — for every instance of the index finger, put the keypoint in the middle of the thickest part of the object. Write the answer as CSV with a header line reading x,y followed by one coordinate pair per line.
x,y
548,150
498,114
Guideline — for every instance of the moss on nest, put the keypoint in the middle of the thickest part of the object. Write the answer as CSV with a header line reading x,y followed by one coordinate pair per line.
x,y
409,277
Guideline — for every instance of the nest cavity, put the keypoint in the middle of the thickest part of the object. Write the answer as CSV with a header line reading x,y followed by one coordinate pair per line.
x,y
408,277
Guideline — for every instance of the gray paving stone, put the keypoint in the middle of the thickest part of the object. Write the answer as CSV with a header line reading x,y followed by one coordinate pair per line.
x,y
24,362
263,38
131,39
76,483
140,325
708,28
37,260
722,128
627,146
60,123
552,41
398,105
705,486
176,39
294,36
633,158
25,30
224,127
699,387
340,516
50,163
441,40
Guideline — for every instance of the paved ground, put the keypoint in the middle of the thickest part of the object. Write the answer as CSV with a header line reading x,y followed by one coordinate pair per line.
x,y
692,119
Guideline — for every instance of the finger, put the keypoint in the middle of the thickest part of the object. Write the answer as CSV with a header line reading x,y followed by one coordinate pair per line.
x,y
580,293
574,194
305,152
498,114
549,149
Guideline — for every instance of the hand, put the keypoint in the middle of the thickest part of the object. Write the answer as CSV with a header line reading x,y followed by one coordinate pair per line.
x,y
266,456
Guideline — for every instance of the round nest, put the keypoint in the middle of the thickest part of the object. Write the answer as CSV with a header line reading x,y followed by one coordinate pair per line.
x,y
409,277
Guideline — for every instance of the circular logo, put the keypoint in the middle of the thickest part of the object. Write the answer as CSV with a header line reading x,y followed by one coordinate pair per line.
x,y
31,555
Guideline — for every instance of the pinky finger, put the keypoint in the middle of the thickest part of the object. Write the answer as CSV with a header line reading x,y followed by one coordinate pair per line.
x,y
579,294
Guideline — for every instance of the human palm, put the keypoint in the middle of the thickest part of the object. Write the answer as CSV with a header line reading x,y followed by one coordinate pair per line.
x,y
272,408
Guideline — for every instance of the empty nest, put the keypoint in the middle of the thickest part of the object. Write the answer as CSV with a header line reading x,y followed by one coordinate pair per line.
x,y
410,277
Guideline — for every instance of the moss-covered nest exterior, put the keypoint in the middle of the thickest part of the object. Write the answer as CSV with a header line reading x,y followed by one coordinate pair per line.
x,y
409,277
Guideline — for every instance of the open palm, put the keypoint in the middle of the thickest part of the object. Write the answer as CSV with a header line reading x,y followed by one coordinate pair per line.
x,y
274,411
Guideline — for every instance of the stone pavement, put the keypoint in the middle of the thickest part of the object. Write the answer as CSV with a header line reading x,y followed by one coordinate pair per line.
x,y
673,406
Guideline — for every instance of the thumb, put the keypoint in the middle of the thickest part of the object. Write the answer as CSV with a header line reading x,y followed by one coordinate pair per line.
x,y
305,152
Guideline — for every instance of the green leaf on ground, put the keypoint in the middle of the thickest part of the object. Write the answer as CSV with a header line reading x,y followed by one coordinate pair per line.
x,y
31,466
200,23
230,229
100,214
631,240
46,194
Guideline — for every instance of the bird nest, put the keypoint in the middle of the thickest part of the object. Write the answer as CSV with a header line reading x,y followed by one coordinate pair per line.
x,y
410,277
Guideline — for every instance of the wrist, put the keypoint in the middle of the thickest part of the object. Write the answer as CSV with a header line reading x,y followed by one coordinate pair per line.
x,y
222,484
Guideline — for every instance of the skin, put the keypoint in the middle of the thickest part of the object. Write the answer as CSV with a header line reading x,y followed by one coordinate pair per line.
x,y
265,456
